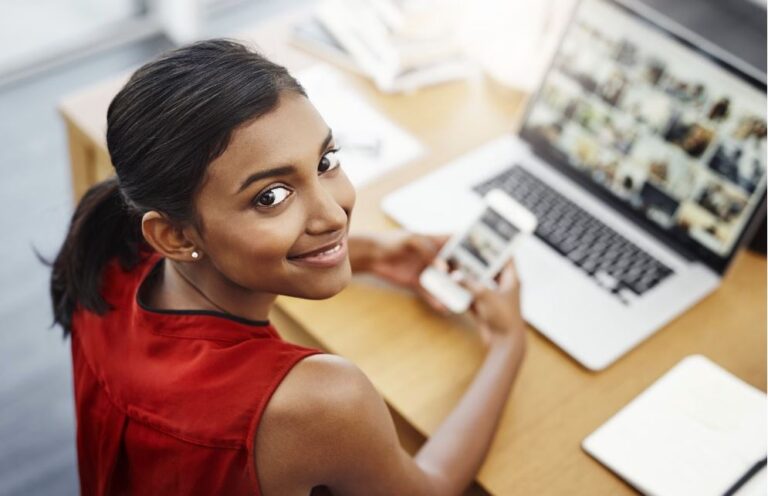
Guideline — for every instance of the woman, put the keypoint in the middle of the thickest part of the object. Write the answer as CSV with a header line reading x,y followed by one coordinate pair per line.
x,y
229,193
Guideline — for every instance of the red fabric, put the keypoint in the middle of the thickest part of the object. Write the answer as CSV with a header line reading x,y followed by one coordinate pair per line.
x,y
169,403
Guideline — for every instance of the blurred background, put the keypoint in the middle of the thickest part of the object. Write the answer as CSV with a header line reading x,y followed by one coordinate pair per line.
x,y
51,48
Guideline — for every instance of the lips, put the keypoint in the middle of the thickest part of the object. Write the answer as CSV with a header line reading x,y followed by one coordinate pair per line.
x,y
316,251
326,256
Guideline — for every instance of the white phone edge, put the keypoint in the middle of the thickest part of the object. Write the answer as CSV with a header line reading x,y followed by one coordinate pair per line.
x,y
439,284
455,297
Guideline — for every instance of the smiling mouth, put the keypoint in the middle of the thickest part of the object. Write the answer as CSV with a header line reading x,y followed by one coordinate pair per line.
x,y
319,253
323,249
327,256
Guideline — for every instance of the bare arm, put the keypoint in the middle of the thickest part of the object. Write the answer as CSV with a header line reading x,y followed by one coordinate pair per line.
x,y
326,425
456,451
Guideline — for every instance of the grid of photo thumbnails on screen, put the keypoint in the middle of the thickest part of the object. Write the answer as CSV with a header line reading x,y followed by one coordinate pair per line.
x,y
661,127
483,244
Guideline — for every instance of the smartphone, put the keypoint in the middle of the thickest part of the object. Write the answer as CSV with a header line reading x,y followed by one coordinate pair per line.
x,y
480,251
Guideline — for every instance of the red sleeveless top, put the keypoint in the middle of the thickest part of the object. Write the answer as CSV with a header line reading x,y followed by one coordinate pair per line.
x,y
169,402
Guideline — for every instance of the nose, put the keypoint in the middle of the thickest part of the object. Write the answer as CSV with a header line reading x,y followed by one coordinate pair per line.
x,y
325,213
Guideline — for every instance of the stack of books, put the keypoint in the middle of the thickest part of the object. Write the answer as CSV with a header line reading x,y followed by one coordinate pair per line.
x,y
401,45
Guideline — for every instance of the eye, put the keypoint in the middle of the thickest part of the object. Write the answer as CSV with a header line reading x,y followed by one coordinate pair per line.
x,y
272,197
329,161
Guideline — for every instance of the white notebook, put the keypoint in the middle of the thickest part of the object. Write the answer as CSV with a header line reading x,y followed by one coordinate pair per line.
x,y
697,430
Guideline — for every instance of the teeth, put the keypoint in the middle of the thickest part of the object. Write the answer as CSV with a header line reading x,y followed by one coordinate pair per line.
x,y
332,250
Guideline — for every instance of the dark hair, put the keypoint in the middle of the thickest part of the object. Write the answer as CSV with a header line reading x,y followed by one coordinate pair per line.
x,y
173,117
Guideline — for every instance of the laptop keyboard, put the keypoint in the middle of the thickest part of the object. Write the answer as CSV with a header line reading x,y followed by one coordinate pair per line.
x,y
614,262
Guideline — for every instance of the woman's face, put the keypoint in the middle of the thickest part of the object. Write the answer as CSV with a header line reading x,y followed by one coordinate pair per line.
x,y
276,206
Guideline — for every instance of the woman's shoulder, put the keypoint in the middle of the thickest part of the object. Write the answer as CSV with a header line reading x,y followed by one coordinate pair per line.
x,y
326,425
322,406
319,386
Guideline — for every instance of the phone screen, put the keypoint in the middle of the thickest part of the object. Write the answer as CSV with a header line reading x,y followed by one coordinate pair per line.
x,y
480,248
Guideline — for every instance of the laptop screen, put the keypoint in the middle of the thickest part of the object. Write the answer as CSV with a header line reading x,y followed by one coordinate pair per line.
x,y
662,127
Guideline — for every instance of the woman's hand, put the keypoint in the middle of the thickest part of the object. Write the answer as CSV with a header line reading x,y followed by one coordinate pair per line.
x,y
497,311
398,257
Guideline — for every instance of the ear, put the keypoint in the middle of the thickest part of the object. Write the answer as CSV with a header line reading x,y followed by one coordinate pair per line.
x,y
168,239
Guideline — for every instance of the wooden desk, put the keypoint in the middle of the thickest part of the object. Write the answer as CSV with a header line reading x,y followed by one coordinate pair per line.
x,y
422,363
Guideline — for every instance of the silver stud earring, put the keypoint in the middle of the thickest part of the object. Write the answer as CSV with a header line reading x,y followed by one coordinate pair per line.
x,y
195,255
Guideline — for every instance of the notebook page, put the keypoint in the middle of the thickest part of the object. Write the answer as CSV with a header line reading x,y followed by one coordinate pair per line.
x,y
696,430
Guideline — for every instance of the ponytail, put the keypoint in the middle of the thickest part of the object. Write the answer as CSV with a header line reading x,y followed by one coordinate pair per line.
x,y
101,229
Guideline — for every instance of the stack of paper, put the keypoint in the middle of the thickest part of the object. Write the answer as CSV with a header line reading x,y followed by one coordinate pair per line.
x,y
697,430
401,45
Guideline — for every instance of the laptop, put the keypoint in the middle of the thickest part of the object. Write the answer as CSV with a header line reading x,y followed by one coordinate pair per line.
x,y
643,156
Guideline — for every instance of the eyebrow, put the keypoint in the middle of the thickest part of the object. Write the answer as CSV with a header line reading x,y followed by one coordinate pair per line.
x,y
283,170
258,176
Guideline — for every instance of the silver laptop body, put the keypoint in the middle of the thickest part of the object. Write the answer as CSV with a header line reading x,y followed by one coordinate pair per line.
x,y
642,155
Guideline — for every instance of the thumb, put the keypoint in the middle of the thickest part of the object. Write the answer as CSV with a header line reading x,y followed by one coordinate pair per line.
x,y
439,239
442,265
508,278
471,285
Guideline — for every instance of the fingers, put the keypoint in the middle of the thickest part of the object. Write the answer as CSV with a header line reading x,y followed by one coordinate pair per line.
x,y
427,247
441,265
473,286
424,246
439,239
508,277
479,292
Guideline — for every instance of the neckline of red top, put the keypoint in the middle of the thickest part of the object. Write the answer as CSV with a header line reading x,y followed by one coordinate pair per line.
x,y
201,324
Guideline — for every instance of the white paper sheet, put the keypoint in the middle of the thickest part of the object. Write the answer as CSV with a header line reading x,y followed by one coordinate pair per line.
x,y
697,430
371,144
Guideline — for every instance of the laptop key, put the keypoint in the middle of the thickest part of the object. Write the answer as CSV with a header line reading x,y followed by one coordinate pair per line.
x,y
606,280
